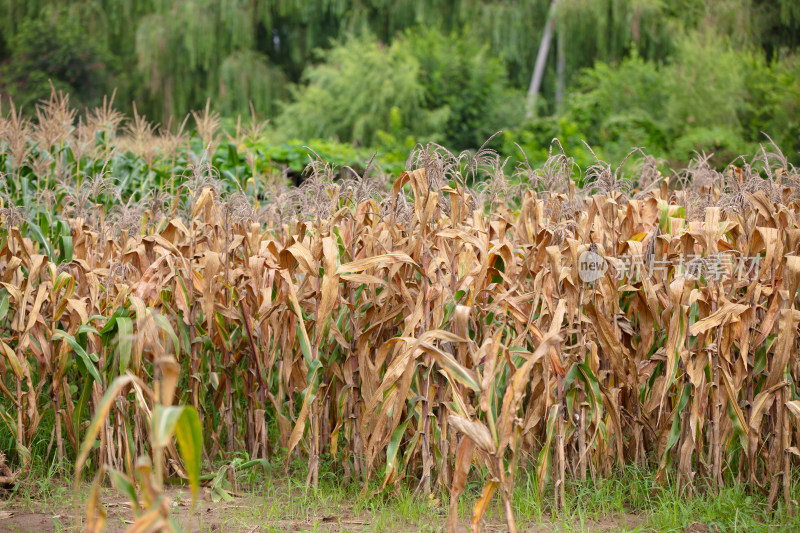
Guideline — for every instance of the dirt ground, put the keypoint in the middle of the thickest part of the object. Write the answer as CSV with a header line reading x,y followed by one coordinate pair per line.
x,y
243,515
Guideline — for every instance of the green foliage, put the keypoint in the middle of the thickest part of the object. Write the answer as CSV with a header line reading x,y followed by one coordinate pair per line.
x,y
354,92
725,143
773,100
247,77
466,84
426,84
705,82
190,50
536,136
664,75
295,154
708,96
619,107
55,48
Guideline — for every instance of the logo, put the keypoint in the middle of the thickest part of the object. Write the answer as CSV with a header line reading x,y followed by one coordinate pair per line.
x,y
591,266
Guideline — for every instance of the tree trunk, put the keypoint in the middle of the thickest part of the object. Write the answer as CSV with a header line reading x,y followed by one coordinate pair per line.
x,y
561,66
541,60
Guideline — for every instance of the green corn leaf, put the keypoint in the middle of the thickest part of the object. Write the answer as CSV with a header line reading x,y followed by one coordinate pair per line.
x,y
125,333
189,433
88,361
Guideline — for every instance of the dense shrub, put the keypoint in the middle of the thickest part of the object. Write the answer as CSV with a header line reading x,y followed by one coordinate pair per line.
x,y
707,97
426,84
56,49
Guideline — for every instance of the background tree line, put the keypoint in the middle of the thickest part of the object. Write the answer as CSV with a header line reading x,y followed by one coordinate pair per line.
x,y
673,76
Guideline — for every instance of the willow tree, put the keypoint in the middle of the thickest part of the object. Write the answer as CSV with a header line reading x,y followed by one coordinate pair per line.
x,y
174,54
192,50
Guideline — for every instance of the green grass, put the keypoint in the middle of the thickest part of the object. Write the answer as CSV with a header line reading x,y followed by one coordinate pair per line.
x,y
629,501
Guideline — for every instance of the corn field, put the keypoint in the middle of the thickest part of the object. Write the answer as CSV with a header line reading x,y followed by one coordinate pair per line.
x,y
409,328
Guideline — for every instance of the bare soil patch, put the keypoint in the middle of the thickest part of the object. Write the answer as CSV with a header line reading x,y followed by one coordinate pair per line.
x,y
251,513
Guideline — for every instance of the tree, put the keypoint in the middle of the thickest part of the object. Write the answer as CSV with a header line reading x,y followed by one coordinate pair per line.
x,y
51,49
426,84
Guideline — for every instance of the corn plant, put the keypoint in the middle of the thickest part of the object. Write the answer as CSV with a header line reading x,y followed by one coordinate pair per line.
x,y
413,333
